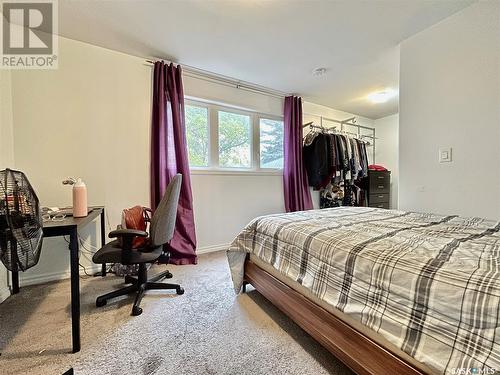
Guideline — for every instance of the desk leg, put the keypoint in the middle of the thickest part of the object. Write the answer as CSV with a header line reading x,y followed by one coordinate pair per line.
x,y
15,281
103,240
15,271
75,290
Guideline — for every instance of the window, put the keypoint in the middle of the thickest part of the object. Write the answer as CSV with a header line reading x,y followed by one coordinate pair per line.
x,y
271,143
197,135
225,139
234,140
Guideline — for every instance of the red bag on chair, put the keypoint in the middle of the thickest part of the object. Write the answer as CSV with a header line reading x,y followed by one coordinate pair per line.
x,y
135,218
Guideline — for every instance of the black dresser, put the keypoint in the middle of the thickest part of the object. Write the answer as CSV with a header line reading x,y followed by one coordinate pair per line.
x,y
379,189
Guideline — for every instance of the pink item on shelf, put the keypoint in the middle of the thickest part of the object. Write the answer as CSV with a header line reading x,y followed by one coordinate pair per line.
x,y
79,199
376,167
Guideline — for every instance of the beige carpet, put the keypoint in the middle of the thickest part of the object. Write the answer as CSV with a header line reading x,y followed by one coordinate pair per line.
x,y
208,330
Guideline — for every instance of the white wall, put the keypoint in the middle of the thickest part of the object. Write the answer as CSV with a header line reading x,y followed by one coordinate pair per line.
x,y
224,204
312,112
90,119
6,126
450,97
6,151
387,149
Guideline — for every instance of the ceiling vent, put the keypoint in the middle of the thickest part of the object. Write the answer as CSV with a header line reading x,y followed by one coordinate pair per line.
x,y
318,72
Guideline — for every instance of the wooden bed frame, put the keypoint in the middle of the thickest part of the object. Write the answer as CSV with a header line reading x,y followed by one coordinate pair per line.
x,y
357,351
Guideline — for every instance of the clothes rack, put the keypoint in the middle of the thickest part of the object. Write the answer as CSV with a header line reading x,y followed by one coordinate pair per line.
x,y
336,162
334,129
351,121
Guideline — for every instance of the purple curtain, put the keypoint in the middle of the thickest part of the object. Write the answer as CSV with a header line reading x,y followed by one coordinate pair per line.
x,y
169,156
297,194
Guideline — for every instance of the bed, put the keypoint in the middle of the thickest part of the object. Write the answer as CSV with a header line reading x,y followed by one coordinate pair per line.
x,y
385,291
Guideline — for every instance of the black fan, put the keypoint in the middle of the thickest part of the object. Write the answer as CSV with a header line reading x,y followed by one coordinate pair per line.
x,y
21,231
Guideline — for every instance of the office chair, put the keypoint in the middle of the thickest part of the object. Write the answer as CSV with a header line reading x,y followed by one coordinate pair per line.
x,y
161,231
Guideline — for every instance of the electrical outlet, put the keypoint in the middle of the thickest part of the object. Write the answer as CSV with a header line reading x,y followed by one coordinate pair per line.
x,y
445,155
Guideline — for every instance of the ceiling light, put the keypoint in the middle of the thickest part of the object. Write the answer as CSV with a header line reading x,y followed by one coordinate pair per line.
x,y
319,72
381,96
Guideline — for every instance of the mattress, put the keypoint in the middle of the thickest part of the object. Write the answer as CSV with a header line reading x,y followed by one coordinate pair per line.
x,y
427,284
344,317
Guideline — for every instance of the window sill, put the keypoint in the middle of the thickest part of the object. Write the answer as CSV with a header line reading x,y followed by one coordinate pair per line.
x,y
236,172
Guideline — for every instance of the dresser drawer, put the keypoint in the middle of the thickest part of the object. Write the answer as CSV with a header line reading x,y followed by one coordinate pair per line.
x,y
385,205
379,198
379,186
380,182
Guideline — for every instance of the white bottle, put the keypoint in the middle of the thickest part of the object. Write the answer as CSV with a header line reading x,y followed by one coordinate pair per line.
x,y
79,199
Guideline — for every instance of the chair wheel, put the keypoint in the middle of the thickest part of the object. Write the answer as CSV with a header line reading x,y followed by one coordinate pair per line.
x,y
100,302
136,310
180,290
168,275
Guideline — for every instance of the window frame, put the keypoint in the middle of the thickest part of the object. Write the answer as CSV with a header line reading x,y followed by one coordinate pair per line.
x,y
213,146
200,105
257,134
216,111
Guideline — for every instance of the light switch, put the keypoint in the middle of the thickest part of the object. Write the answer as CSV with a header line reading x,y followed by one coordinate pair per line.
x,y
445,155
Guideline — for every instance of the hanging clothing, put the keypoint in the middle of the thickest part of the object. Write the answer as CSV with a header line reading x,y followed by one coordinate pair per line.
x,y
363,158
316,161
333,153
331,196
355,166
309,138
337,159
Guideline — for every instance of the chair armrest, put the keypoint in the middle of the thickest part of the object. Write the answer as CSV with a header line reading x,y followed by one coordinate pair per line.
x,y
126,238
127,233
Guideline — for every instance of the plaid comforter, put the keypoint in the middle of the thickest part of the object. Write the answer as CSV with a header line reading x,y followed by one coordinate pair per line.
x,y
430,284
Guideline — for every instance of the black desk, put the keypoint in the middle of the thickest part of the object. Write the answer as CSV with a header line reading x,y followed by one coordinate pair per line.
x,y
69,227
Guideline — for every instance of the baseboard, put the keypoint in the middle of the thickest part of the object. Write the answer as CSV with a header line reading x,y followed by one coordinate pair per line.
x,y
211,249
4,294
35,279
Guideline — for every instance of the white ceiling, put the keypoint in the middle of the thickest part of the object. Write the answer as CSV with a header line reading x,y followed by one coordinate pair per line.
x,y
274,43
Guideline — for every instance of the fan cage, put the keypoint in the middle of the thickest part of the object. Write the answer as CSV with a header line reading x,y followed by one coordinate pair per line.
x,y
21,223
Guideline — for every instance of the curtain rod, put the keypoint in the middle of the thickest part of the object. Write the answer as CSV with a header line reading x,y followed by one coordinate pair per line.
x,y
224,80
